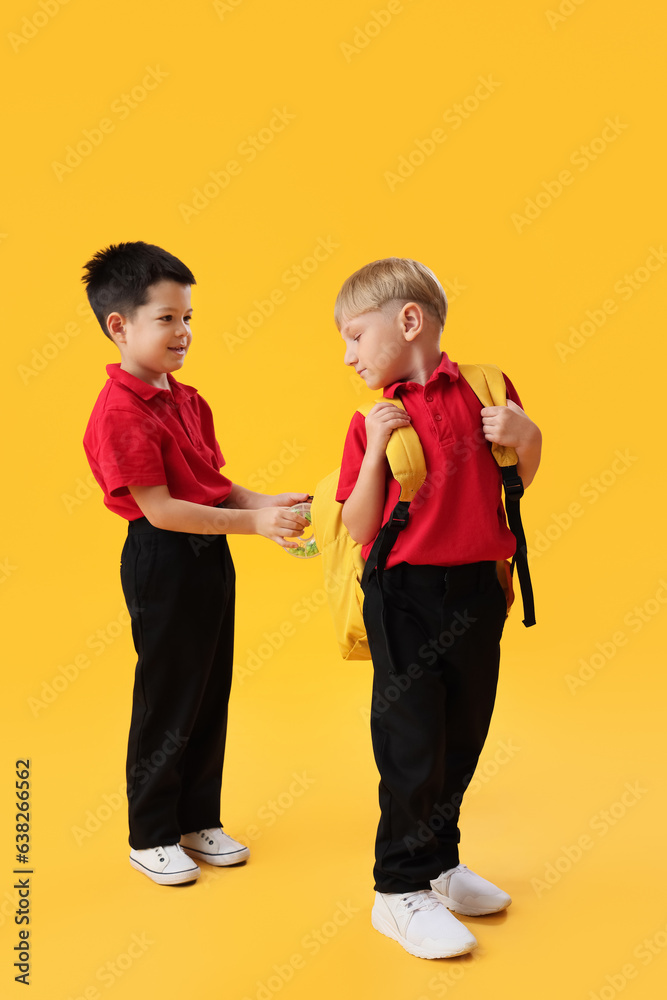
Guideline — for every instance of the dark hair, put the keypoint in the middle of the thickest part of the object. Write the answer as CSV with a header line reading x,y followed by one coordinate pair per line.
x,y
117,279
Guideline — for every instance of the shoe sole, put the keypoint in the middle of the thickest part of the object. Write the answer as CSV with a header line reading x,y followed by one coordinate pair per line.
x,y
384,928
473,911
218,860
171,878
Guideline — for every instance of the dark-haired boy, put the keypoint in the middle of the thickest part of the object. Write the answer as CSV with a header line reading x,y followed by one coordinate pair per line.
x,y
151,445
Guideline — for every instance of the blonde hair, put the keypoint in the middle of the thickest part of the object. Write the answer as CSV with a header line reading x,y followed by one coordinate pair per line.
x,y
383,281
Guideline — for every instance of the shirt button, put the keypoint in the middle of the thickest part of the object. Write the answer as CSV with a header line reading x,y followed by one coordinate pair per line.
x,y
429,399
438,417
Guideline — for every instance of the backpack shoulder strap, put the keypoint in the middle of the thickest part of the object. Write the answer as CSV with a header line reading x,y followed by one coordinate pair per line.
x,y
408,466
488,384
405,455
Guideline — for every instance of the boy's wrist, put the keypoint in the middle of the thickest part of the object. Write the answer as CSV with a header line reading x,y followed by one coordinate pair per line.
x,y
236,521
375,456
531,439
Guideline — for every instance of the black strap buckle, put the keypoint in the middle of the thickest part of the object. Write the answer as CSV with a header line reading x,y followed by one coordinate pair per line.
x,y
399,517
512,482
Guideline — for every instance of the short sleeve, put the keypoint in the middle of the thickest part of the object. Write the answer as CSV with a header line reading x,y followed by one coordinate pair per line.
x,y
511,392
353,455
130,451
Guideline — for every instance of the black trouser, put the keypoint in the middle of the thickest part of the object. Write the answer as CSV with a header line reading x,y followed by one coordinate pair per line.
x,y
430,717
179,590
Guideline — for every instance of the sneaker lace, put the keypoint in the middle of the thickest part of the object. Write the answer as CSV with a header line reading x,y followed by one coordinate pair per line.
x,y
420,900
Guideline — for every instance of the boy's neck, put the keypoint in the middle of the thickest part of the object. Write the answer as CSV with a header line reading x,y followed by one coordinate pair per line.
x,y
424,365
158,381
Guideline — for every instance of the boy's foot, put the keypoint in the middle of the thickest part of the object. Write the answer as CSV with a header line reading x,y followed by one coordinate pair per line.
x,y
214,847
165,865
420,922
465,892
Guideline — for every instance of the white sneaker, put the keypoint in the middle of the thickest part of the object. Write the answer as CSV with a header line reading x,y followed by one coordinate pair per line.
x,y
462,890
420,922
165,865
214,847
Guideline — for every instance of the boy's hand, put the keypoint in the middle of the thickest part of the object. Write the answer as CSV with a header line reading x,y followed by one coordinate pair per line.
x,y
381,422
508,425
278,524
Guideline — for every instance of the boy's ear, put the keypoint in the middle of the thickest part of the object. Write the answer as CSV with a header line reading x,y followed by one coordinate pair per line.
x,y
412,319
116,327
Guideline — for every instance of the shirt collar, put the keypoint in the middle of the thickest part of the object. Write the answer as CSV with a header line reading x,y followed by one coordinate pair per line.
x,y
446,367
143,389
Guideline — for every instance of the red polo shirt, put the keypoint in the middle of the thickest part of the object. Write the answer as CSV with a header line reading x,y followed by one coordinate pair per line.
x,y
141,435
458,515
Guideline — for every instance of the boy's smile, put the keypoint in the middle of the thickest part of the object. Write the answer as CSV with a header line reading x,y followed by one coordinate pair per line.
x,y
156,339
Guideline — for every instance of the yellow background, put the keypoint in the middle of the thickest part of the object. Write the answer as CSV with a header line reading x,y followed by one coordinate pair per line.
x,y
361,99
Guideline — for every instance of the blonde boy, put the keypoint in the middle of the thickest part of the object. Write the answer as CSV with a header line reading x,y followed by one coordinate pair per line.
x,y
435,620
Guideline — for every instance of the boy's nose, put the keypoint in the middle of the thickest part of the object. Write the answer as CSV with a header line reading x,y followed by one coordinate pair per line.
x,y
350,356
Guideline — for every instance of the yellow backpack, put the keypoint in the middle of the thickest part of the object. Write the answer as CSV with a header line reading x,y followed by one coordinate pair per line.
x,y
343,564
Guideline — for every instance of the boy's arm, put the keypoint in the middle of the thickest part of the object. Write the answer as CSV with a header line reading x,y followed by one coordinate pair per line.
x,y
240,498
510,426
362,511
164,511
